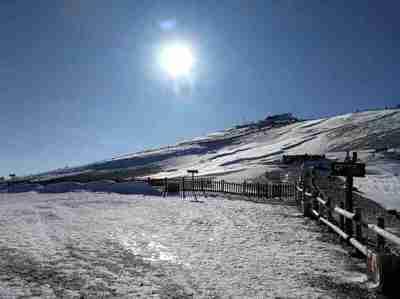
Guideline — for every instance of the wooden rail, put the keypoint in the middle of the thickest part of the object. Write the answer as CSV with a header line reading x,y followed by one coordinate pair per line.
x,y
314,204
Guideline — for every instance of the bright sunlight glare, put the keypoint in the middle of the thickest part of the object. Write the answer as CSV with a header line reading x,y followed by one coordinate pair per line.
x,y
177,59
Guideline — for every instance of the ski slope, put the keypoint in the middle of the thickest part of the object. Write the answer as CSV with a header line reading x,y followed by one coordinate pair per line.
x,y
250,151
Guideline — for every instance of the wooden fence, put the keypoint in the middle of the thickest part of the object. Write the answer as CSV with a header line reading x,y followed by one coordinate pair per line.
x,y
382,266
259,192
350,225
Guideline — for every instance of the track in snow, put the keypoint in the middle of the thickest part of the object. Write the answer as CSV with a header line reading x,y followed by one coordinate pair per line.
x,y
93,245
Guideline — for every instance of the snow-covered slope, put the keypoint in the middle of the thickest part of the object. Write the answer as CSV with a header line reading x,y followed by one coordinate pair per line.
x,y
248,151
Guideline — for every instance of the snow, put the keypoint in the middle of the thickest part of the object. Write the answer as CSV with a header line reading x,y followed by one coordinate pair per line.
x,y
383,185
84,244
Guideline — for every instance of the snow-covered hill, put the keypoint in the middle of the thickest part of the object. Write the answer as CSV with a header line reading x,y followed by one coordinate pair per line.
x,y
98,244
248,151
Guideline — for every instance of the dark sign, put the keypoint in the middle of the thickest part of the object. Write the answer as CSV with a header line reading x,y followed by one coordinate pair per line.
x,y
193,171
348,169
287,159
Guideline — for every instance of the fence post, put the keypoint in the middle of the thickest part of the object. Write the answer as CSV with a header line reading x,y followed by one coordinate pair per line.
x,y
299,195
264,192
380,241
349,204
307,207
294,190
165,187
183,187
315,202
329,209
341,217
358,219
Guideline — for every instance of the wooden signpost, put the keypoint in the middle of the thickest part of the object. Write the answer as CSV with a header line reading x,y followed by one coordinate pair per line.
x,y
193,172
349,169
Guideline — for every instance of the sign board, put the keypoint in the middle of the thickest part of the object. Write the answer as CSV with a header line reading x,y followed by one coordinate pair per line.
x,y
193,171
348,169
287,159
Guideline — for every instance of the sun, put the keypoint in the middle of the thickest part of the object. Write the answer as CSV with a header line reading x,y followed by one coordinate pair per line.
x,y
177,59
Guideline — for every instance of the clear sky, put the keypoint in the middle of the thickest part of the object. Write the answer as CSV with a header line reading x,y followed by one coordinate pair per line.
x,y
80,81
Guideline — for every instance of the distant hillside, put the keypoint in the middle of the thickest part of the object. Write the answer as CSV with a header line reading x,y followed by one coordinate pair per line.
x,y
246,152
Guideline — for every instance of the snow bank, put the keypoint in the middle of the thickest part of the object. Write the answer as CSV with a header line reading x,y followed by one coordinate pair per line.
x,y
62,187
122,188
3,187
128,188
24,188
96,186
99,186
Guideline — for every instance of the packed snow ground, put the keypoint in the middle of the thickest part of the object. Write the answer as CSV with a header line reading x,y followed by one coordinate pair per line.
x,y
247,152
99,245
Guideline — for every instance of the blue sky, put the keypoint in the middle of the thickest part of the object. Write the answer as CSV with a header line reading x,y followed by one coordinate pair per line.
x,y
80,80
